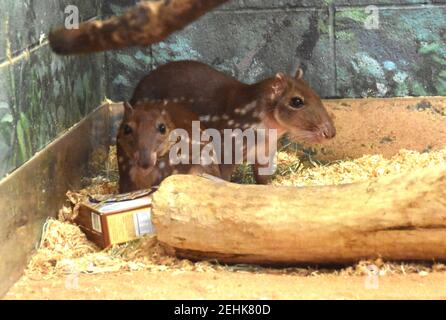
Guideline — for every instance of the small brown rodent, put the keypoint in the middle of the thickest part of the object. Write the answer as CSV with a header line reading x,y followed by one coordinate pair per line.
x,y
143,144
285,103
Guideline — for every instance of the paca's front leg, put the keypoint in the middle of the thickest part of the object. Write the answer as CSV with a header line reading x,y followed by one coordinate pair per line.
x,y
260,177
226,171
197,170
266,150
124,184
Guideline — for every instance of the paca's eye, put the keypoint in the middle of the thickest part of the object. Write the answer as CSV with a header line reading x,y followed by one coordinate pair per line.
x,y
128,130
296,103
162,128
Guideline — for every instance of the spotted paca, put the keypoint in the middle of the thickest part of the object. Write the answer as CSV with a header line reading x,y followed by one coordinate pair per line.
x,y
285,103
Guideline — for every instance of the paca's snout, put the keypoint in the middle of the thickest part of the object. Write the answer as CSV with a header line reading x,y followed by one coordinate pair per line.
x,y
146,159
328,130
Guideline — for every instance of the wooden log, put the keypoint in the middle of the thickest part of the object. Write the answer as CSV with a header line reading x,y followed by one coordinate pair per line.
x,y
148,23
396,218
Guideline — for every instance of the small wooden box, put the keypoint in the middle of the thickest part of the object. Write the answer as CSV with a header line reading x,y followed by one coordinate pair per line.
x,y
117,219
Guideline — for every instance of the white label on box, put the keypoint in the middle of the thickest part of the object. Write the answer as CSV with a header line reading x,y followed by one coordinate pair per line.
x,y
96,222
143,223
115,207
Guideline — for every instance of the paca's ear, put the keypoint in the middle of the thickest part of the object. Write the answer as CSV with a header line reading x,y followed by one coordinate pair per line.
x,y
280,84
299,74
128,109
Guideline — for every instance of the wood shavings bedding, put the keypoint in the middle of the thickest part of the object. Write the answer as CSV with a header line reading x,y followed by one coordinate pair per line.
x,y
362,169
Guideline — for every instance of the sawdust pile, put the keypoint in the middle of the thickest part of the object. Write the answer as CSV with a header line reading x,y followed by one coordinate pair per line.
x,y
292,172
64,249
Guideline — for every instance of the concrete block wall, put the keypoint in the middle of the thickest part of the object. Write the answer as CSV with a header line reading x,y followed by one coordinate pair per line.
x,y
253,39
41,94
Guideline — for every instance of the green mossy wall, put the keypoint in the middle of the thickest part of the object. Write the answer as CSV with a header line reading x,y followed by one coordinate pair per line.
x,y
41,94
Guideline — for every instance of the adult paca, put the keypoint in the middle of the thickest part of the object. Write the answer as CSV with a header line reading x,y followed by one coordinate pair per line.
x,y
285,103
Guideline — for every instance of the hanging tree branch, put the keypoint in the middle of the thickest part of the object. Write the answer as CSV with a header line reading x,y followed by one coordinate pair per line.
x,y
147,23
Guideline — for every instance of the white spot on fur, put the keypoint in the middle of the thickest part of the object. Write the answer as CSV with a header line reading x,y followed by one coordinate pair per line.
x,y
205,118
249,107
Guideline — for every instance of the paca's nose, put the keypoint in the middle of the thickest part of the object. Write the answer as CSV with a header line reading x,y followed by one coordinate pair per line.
x,y
328,131
144,165
146,160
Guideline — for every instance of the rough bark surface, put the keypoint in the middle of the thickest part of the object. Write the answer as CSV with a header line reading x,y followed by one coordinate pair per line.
x,y
147,23
396,218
